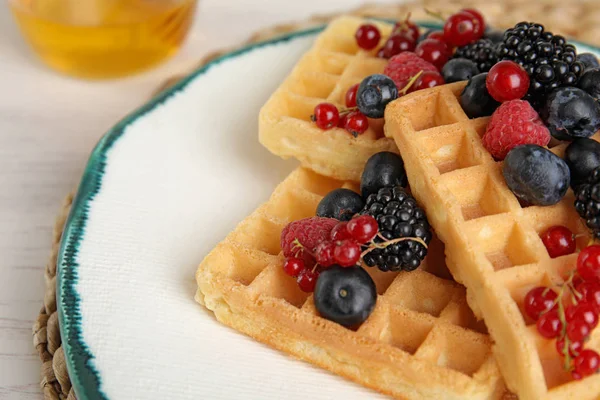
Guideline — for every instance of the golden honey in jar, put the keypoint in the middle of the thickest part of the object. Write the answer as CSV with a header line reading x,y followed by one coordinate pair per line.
x,y
104,38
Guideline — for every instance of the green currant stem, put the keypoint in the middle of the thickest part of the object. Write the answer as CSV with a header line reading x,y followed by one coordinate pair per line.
x,y
373,245
435,14
411,82
402,25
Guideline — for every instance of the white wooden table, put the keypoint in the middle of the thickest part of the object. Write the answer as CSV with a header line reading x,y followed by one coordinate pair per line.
x,y
49,124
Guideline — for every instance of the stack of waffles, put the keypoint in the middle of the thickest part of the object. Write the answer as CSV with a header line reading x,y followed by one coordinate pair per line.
x,y
428,337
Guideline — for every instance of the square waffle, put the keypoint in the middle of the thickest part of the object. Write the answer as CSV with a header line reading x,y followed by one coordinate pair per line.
x,y
324,74
421,341
493,243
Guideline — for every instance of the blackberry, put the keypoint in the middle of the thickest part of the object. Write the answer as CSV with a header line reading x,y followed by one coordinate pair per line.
x,y
398,216
549,60
587,202
482,53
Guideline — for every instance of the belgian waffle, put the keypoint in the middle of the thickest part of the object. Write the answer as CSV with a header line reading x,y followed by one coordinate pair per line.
x,y
493,243
421,342
325,73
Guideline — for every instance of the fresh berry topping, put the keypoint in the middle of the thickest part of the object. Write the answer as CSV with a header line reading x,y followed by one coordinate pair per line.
x,y
374,93
340,232
482,53
475,99
307,280
404,231
590,82
588,263
459,69
477,15
539,300
496,36
363,228
326,116
462,28
571,113
514,123
577,330
396,44
559,241
408,29
590,293
588,60
437,35
507,81
536,175
587,202
582,311
346,296
574,347
356,123
586,364
293,266
434,51
367,36
351,96
382,169
549,325
427,80
324,253
582,157
404,66
340,204
346,253
300,238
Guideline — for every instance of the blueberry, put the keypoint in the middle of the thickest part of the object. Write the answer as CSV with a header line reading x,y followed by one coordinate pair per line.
x,y
475,99
374,93
571,113
590,83
459,69
340,204
536,175
345,295
589,60
582,157
382,169
494,35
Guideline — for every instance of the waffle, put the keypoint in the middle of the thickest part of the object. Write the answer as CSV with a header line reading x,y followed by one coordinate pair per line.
x,y
445,353
325,73
493,243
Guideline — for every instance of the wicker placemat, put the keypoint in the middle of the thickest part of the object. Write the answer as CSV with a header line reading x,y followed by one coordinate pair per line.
x,y
573,18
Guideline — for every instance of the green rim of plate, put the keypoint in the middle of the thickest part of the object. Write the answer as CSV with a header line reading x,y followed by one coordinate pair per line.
x,y
85,378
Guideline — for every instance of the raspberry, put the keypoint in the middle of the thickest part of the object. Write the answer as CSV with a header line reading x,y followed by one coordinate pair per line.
x,y
406,65
307,232
514,123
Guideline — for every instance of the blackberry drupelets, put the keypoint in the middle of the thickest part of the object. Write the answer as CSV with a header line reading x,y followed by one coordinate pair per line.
x,y
398,216
589,60
587,202
482,53
548,59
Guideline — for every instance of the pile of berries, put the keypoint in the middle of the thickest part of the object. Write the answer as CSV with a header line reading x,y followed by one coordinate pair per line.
x,y
571,312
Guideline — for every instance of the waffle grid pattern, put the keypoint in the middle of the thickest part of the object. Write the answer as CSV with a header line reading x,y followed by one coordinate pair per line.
x,y
324,74
445,353
493,243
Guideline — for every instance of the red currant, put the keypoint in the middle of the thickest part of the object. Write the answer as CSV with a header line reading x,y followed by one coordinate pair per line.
x,y
436,35
590,292
549,325
434,51
574,347
507,81
380,53
586,363
326,116
584,312
351,95
363,228
577,330
539,300
477,15
559,241
307,280
461,29
397,44
342,121
367,36
340,232
347,253
293,266
356,123
428,79
324,253
408,29
588,263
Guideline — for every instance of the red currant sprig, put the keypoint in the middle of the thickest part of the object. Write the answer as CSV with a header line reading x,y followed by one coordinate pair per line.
x,y
327,116
559,241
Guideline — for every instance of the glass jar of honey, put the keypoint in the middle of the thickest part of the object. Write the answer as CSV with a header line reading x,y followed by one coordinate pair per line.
x,y
104,38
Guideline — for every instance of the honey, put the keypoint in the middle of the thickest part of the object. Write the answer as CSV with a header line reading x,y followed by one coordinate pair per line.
x,y
104,38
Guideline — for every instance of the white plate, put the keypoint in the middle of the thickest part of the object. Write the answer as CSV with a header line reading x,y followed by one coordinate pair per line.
x,y
160,190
